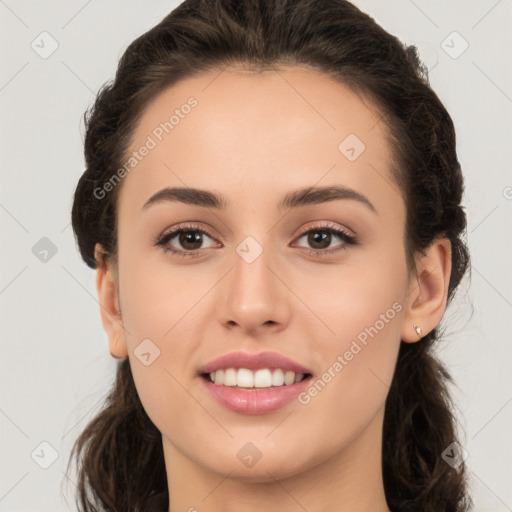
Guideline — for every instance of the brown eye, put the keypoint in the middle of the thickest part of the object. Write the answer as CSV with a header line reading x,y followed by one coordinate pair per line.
x,y
190,240
185,241
319,239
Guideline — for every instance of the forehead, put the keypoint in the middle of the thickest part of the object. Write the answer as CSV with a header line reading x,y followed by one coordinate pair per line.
x,y
280,129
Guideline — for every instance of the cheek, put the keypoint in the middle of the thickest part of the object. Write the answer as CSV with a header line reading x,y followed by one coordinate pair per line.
x,y
352,386
361,300
363,309
157,298
162,308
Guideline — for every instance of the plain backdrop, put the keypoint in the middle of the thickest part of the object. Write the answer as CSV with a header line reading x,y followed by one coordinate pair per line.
x,y
55,364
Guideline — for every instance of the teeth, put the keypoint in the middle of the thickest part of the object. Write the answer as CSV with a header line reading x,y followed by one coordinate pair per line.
x,y
218,376
263,378
289,378
245,378
230,377
278,378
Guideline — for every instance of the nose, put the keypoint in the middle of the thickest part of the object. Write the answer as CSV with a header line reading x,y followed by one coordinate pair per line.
x,y
254,296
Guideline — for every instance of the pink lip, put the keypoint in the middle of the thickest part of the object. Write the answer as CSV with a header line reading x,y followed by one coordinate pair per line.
x,y
253,362
255,401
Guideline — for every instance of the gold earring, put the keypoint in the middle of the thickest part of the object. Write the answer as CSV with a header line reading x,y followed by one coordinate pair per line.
x,y
417,328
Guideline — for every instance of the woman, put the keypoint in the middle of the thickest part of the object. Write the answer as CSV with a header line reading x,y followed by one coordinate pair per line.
x,y
272,204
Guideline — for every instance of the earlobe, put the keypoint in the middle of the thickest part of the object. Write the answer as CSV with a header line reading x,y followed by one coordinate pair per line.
x,y
428,291
109,305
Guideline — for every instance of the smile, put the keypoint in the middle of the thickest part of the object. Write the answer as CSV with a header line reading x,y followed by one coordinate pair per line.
x,y
245,378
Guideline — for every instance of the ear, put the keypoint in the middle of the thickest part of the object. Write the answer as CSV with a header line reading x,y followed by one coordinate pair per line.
x,y
109,304
428,290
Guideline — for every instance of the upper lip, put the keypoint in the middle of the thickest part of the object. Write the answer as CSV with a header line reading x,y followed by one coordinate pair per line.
x,y
253,362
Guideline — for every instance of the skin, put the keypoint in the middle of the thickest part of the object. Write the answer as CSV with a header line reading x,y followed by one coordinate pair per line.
x,y
253,138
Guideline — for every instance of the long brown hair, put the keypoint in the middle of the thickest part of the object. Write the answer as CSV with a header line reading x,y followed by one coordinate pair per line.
x,y
119,454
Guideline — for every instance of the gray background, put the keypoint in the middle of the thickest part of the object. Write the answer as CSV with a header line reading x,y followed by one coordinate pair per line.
x,y
55,365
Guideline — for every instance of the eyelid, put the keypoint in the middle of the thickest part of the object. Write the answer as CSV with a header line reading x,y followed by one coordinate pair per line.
x,y
327,226
171,233
341,232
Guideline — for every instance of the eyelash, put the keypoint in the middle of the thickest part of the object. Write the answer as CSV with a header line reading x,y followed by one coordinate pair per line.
x,y
164,239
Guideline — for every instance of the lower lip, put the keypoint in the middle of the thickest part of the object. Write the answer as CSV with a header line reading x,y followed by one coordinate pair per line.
x,y
255,400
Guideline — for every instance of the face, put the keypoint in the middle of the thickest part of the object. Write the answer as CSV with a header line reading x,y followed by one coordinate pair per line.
x,y
318,282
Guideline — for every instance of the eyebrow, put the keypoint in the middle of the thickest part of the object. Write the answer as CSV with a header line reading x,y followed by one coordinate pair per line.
x,y
301,197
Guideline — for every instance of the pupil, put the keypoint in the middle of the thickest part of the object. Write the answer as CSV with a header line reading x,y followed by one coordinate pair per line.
x,y
190,237
317,237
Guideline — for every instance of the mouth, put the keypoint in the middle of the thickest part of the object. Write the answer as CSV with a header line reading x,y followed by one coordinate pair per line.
x,y
257,393
246,379
249,383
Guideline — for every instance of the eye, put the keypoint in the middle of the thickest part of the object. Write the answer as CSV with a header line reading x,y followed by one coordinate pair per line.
x,y
320,238
190,238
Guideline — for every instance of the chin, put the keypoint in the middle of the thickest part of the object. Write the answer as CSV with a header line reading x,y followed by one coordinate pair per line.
x,y
262,471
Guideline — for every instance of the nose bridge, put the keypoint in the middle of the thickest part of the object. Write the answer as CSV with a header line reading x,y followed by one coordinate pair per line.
x,y
251,277
253,296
